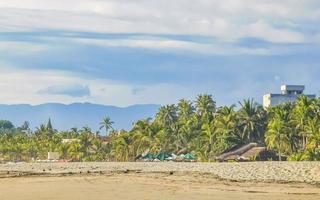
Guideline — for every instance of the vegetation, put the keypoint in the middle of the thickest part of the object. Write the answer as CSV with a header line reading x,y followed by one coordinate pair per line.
x,y
200,128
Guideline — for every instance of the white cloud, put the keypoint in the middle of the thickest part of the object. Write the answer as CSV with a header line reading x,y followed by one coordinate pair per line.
x,y
271,34
21,48
216,48
139,43
23,86
227,20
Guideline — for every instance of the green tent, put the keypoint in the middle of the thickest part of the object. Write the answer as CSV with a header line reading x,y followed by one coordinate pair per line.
x,y
163,156
149,156
189,156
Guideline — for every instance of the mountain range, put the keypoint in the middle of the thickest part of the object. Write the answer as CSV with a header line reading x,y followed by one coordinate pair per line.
x,y
64,117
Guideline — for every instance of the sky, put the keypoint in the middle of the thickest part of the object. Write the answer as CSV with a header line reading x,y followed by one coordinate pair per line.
x,y
125,52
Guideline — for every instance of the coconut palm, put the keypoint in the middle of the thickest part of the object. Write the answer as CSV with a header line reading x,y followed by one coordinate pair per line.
x,y
106,124
209,135
313,132
251,121
277,136
185,110
167,116
205,107
228,133
121,148
302,113
75,151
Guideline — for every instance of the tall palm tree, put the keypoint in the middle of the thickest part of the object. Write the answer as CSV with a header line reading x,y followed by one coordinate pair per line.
x,y
167,116
302,113
251,120
142,135
185,110
209,135
284,112
226,123
106,124
206,107
277,136
86,138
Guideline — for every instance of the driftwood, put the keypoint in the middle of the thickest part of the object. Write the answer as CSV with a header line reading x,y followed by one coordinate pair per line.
x,y
237,152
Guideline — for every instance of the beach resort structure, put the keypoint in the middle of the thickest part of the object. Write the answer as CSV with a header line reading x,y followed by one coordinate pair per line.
x,y
249,152
289,93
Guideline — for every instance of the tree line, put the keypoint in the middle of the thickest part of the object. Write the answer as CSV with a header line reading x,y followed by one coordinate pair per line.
x,y
199,127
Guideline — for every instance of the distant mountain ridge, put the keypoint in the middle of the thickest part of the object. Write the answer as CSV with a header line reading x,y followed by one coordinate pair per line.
x,y
64,117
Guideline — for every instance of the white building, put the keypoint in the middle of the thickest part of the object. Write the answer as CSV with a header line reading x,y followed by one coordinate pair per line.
x,y
289,93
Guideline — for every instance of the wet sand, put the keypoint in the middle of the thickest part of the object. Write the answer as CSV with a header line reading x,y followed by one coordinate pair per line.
x,y
148,186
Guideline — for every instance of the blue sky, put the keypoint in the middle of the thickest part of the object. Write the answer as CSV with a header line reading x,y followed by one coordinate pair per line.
x,y
122,52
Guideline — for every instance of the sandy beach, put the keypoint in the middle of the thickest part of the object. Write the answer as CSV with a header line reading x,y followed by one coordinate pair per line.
x,y
67,181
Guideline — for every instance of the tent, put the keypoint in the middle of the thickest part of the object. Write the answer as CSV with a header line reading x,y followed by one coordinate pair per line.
x,y
163,156
189,156
149,156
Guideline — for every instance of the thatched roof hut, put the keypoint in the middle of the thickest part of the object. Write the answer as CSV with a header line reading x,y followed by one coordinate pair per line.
x,y
247,152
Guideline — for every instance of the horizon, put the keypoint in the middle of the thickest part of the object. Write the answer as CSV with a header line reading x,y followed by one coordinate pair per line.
x,y
259,101
126,53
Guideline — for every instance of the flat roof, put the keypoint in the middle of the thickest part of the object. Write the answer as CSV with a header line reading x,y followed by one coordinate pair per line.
x,y
293,88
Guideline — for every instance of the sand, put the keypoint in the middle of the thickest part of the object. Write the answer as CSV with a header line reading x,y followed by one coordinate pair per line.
x,y
147,186
68,181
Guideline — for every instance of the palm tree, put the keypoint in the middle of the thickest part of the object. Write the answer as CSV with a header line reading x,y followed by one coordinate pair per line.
x,y
74,132
302,113
251,120
185,110
205,107
75,151
209,134
226,123
122,148
313,132
142,135
284,112
167,116
106,124
277,135
86,138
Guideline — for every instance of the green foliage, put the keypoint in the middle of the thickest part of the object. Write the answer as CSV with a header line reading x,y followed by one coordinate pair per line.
x,y
5,124
294,129
309,155
200,128
106,124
